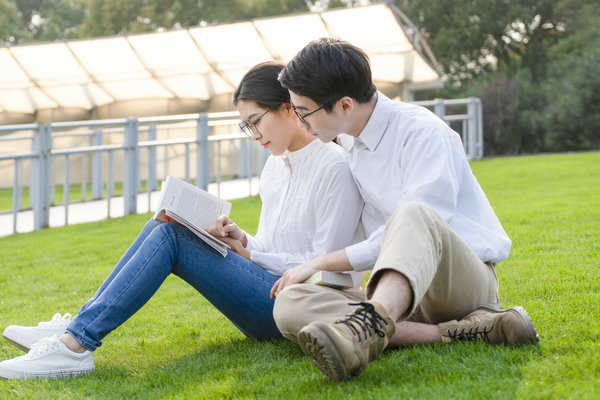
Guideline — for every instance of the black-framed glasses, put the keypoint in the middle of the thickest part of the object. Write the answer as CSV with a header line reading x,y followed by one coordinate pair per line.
x,y
249,127
301,117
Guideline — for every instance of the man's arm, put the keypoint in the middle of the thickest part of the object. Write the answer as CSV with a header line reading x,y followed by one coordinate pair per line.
x,y
336,261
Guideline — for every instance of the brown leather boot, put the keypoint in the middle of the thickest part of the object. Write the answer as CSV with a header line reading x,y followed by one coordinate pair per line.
x,y
346,347
492,324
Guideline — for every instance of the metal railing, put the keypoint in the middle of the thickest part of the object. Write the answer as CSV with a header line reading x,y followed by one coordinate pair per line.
x,y
468,121
201,147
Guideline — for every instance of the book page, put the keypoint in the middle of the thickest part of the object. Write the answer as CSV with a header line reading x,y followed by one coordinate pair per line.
x,y
193,204
209,239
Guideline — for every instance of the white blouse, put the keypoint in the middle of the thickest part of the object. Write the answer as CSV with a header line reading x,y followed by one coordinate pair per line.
x,y
406,153
310,207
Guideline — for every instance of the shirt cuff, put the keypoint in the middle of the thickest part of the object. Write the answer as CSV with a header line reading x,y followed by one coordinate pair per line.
x,y
361,256
251,242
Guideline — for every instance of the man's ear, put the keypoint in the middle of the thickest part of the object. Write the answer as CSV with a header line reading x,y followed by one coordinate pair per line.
x,y
347,104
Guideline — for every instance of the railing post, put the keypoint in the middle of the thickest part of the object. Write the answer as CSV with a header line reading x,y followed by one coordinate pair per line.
x,y
202,154
264,155
440,108
131,167
151,183
97,167
244,159
40,177
480,146
471,136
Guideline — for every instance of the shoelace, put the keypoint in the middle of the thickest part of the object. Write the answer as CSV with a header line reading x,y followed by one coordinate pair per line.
x,y
471,335
57,320
366,318
43,346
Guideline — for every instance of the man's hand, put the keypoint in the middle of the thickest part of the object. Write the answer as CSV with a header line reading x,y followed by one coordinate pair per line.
x,y
237,246
224,227
336,261
297,274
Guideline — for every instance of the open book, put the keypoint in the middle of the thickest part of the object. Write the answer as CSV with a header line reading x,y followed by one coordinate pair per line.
x,y
193,208
330,278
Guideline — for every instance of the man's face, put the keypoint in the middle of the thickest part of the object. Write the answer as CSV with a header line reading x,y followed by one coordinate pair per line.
x,y
326,126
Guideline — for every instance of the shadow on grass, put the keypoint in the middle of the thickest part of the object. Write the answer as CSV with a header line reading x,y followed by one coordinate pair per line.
x,y
246,368
243,368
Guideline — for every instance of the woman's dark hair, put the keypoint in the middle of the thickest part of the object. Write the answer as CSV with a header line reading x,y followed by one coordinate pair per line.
x,y
260,84
328,69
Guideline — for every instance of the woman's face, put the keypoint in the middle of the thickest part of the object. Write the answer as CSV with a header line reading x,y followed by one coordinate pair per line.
x,y
275,128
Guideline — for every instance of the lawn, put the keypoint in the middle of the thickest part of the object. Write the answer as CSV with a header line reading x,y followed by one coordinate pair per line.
x,y
178,346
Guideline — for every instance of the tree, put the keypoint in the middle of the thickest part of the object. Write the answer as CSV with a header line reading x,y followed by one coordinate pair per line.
x,y
12,29
473,38
109,17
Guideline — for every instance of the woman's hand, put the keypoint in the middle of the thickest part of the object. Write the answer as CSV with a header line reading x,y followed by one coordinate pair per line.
x,y
297,274
237,247
224,227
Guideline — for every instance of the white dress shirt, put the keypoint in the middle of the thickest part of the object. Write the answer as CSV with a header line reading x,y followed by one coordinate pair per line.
x,y
406,153
310,207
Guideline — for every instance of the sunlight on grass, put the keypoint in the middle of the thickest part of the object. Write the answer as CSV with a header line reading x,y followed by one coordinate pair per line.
x,y
179,346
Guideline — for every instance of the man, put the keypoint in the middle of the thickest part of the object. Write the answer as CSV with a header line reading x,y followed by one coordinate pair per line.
x,y
433,238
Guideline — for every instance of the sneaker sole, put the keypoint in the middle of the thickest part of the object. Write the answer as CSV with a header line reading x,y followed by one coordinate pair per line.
x,y
524,316
15,343
8,374
316,344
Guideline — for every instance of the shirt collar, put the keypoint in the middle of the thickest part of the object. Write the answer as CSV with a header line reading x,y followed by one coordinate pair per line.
x,y
300,155
373,131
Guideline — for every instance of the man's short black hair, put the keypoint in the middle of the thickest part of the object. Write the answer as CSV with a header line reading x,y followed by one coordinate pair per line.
x,y
328,69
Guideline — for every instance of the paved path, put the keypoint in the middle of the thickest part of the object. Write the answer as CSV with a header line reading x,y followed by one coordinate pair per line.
x,y
98,209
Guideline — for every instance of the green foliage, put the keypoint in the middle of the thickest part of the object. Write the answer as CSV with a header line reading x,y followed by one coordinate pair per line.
x,y
37,20
179,347
108,17
12,29
531,62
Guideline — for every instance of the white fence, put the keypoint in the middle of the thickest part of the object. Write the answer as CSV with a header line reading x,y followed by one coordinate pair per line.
x,y
204,137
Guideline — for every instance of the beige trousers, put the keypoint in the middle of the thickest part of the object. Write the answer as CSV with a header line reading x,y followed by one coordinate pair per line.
x,y
447,278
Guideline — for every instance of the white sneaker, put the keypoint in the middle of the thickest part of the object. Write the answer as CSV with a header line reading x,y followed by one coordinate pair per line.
x,y
24,336
48,358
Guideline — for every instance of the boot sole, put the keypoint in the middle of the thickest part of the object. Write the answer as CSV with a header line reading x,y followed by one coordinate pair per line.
x,y
16,344
316,344
524,316
533,335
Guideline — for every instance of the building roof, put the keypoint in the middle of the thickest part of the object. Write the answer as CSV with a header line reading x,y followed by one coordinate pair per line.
x,y
202,62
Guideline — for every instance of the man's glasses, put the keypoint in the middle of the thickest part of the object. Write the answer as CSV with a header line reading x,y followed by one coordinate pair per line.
x,y
302,117
249,127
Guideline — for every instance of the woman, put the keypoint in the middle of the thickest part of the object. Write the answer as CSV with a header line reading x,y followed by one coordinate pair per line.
x,y
302,217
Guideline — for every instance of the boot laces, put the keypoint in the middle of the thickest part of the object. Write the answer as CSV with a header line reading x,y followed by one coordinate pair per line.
x,y
472,334
365,318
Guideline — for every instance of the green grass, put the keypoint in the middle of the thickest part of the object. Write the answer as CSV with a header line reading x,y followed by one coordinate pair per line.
x,y
75,194
179,346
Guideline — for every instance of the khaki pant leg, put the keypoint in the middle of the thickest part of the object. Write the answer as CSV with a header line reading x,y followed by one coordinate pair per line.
x,y
447,278
298,305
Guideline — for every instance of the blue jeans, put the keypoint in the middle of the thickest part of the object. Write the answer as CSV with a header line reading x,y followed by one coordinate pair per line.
x,y
237,287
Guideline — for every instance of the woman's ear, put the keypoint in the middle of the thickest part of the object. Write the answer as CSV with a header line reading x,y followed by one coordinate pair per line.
x,y
290,111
